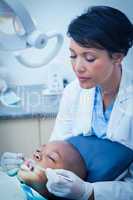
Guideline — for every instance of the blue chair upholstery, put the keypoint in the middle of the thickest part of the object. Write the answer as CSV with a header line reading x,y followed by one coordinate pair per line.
x,y
105,160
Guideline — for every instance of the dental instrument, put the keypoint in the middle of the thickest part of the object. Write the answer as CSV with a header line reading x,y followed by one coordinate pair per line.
x,y
44,170
31,37
32,165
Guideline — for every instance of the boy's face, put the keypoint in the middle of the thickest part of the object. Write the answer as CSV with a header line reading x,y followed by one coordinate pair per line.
x,y
52,155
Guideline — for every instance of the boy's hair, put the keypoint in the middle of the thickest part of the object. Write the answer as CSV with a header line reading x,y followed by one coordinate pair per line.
x,y
103,27
74,161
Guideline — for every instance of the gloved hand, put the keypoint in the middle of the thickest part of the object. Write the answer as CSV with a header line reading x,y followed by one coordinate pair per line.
x,y
63,183
10,162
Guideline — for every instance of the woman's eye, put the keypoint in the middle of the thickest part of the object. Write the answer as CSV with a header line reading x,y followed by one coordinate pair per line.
x,y
72,56
90,59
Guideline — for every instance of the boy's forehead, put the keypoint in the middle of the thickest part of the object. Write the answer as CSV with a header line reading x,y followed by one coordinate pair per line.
x,y
56,149
55,145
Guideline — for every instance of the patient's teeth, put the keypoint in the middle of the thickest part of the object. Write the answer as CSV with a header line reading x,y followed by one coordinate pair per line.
x,y
24,167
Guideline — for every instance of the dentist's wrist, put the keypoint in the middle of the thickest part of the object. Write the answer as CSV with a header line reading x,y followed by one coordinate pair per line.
x,y
92,196
88,192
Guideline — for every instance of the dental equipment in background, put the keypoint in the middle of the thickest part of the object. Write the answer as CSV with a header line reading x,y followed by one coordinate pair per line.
x,y
31,37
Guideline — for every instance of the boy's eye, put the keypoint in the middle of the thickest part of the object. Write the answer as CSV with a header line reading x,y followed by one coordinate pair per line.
x,y
51,158
54,156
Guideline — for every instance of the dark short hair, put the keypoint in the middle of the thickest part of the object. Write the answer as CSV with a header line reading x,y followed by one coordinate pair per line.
x,y
102,27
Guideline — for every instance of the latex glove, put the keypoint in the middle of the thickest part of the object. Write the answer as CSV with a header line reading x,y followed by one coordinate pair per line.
x,y
10,162
63,183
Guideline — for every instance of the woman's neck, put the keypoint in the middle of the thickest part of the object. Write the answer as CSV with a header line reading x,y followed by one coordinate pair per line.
x,y
110,89
111,86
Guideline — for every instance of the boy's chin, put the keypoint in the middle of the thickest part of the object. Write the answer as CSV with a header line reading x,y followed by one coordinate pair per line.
x,y
24,177
29,177
30,180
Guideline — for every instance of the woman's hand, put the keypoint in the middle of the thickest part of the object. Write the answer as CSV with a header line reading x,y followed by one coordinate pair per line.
x,y
66,184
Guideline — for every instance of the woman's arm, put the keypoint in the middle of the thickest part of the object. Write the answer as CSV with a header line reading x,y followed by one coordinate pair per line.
x,y
64,121
81,190
92,196
116,190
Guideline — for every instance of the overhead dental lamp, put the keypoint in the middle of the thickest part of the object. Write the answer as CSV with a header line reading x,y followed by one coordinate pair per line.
x,y
29,37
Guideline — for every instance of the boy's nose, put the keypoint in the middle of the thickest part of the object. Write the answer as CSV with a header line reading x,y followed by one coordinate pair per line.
x,y
37,156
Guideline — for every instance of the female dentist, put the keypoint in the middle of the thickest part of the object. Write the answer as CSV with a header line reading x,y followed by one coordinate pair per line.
x,y
98,102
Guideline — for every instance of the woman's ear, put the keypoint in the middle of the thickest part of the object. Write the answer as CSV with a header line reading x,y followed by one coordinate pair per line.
x,y
117,58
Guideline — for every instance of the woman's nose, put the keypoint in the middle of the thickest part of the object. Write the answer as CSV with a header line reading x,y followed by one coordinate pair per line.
x,y
79,65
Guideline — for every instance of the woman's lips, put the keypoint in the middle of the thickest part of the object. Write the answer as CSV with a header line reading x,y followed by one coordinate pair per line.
x,y
84,78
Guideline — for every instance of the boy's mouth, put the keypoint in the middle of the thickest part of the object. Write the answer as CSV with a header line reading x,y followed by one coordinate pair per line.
x,y
29,165
32,166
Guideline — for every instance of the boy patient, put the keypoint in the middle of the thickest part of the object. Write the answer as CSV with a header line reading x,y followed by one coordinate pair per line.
x,y
56,155
73,155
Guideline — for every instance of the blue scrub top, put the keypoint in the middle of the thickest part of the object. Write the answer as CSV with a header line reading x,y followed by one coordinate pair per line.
x,y
100,118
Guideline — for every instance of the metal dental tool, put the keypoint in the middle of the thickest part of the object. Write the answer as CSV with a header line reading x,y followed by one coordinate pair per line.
x,y
33,165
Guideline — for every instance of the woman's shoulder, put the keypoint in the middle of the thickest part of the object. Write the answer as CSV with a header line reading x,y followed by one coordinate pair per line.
x,y
126,86
127,76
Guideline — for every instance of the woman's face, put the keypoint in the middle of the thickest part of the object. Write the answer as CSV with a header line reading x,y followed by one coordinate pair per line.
x,y
92,66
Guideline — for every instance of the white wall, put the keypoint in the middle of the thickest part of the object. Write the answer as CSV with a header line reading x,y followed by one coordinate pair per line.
x,y
54,15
